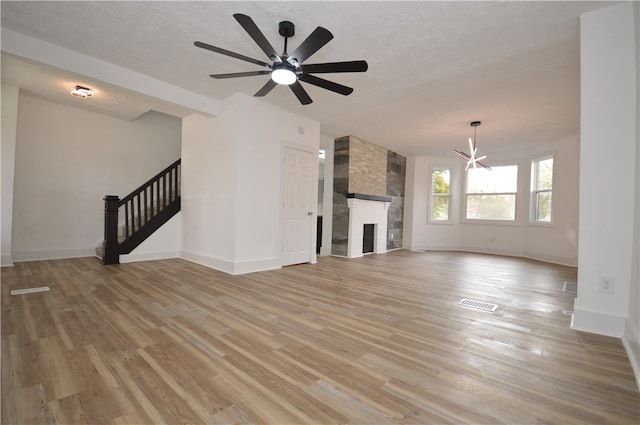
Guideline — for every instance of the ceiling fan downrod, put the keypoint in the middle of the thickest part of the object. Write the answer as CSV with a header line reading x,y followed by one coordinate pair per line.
x,y
286,29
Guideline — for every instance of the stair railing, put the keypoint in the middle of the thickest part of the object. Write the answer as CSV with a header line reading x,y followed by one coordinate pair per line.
x,y
140,213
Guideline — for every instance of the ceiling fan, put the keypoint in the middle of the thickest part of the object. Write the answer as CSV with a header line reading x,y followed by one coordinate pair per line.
x,y
472,159
287,69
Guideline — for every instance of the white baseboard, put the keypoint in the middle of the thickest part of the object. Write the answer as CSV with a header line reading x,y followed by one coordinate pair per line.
x,y
256,266
564,261
598,323
631,342
55,254
325,251
148,256
6,260
204,260
231,267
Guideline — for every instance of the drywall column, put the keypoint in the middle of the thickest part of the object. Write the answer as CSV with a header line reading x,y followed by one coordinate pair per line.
x,y
232,182
631,337
10,96
607,169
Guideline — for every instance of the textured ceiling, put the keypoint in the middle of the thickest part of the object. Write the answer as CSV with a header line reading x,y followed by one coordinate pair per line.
x,y
433,66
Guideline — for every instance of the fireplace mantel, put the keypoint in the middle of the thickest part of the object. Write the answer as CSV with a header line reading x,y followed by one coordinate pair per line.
x,y
368,197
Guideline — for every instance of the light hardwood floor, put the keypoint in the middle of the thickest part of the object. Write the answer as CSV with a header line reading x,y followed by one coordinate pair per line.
x,y
373,340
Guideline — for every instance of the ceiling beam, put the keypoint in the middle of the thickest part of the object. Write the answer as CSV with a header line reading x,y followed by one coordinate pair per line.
x,y
50,54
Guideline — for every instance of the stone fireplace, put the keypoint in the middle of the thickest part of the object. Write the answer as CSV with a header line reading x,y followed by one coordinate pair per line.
x,y
368,188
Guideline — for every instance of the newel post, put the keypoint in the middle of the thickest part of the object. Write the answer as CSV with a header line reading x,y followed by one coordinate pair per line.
x,y
110,246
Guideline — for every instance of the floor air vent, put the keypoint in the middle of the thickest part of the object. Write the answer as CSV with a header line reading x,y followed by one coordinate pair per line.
x,y
571,287
478,305
29,290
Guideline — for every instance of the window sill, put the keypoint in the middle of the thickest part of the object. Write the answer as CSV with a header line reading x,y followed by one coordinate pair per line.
x,y
491,222
541,224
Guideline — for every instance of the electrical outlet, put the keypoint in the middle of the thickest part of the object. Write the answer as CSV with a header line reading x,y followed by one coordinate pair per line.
x,y
607,285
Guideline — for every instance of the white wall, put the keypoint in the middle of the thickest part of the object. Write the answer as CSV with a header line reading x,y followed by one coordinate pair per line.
x,y
608,177
67,160
555,243
10,96
631,338
231,178
208,192
418,232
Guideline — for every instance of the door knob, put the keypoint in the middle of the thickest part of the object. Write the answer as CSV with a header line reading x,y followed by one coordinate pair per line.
x,y
310,213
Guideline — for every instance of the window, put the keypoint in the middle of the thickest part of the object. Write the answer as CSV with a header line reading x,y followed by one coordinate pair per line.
x,y
491,195
541,189
440,195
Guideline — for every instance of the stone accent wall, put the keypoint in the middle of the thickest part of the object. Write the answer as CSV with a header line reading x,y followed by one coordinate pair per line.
x,y
365,168
396,173
340,230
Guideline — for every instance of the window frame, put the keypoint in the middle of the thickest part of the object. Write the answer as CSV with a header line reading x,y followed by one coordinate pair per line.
x,y
534,191
516,194
430,218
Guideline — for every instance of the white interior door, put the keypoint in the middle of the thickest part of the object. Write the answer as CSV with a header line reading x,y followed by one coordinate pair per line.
x,y
298,217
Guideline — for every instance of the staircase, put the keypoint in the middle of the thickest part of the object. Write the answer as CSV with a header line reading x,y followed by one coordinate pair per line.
x,y
132,219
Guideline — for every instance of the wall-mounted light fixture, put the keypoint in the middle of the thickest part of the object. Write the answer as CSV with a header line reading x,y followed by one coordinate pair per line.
x,y
81,92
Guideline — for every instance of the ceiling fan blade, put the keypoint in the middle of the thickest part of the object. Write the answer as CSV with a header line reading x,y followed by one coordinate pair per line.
x,y
239,74
351,66
300,93
266,88
254,32
318,38
325,84
229,53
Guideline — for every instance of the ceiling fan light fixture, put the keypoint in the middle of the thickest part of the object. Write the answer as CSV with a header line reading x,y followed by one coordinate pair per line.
x,y
282,74
81,92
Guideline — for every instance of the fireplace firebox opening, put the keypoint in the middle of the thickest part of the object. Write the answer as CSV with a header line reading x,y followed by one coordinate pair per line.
x,y
368,238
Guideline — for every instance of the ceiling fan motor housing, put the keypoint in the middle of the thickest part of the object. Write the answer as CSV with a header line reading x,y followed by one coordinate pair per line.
x,y
286,29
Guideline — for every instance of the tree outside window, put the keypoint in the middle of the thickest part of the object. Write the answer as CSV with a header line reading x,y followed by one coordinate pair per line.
x,y
491,194
542,189
440,195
